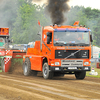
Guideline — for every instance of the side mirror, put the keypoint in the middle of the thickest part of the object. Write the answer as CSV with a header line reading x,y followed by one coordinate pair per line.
x,y
91,38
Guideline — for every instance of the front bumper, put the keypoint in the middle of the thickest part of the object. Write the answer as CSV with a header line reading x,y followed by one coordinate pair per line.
x,y
70,69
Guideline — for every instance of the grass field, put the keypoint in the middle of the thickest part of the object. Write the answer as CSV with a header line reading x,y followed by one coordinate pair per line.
x,y
96,70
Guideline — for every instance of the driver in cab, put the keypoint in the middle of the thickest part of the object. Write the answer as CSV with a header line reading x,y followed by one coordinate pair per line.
x,y
56,38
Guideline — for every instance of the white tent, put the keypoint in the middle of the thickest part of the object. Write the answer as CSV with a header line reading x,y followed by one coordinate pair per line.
x,y
96,52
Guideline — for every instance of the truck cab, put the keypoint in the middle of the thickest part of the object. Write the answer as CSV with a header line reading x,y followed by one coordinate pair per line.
x,y
61,50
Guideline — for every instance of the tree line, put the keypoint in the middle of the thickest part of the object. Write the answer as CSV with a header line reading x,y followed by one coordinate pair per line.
x,y
22,16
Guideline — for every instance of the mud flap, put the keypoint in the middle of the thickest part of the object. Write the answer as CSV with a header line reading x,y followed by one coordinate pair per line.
x,y
7,64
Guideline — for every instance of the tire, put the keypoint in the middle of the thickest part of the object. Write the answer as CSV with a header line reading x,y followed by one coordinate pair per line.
x,y
47,74
80,75
27,67
2,65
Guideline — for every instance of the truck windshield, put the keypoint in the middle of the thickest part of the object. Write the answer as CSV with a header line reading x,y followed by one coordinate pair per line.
x,y
2,42
71,38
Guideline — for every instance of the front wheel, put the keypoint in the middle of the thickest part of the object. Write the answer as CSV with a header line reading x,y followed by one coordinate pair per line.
x,y
47,74
80,75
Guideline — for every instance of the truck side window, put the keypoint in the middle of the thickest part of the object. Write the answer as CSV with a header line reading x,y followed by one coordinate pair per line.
x,y
49,37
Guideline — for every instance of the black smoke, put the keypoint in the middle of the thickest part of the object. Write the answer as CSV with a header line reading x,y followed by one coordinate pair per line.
x,y
56,9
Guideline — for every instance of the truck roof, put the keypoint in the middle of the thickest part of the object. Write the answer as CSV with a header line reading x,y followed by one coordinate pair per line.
x,y
65,28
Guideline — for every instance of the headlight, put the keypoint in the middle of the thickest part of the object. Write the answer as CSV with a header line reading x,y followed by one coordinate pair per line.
x,y
56,63
86,63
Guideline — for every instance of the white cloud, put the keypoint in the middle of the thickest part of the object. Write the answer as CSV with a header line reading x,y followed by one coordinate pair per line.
x,y
86,3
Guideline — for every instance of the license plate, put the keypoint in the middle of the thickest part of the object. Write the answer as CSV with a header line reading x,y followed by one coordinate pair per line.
x,y
72,67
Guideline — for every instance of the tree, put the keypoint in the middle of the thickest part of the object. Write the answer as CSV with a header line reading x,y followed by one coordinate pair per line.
x,y
26,26
96,31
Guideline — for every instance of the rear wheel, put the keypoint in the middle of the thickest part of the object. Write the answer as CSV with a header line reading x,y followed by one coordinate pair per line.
x,y
80,75
27,67
47,74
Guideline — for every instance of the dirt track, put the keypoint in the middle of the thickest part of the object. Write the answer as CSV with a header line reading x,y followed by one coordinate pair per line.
x,y
19,87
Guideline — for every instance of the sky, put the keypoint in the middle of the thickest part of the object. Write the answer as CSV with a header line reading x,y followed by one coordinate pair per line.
x,y
86,3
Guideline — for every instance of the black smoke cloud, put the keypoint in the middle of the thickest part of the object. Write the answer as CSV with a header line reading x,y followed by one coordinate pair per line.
x,y
56,9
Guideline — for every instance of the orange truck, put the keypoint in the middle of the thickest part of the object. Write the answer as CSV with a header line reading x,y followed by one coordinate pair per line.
x,y
61,50
6,53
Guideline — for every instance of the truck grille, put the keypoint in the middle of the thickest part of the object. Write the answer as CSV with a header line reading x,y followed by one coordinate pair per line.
x,y
84,54
74,63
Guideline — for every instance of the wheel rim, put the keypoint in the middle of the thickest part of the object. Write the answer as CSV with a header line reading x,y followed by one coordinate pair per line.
x,y
45,70
26,67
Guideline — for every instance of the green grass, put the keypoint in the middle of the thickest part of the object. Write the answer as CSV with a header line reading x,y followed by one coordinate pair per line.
x,y
96,70
0,70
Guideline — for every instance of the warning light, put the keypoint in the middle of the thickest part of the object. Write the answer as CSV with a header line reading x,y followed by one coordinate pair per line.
x,y
76,23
